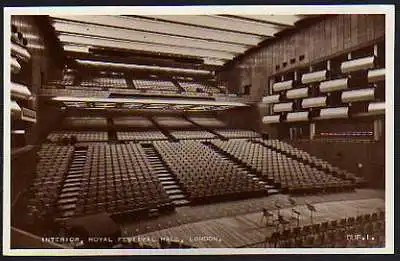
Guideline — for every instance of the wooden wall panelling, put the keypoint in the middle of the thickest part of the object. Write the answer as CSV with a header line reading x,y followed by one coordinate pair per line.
x,y
307,34
292,52
370,27
354,30
324,38
362,30
333,21
346,31
379,26
296,48
281,53
276,57
328,35
317,41
274,52
340,33
285,52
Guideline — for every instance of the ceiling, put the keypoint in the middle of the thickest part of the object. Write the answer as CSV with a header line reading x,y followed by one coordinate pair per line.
x,y
191,41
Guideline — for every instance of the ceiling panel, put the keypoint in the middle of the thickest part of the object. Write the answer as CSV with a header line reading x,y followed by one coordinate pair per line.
x,y
207,40
140,67
147,25
147,47
224,23
145,37
283,20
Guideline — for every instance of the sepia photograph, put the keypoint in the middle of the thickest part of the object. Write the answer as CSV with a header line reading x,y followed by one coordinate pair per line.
x,y
198,130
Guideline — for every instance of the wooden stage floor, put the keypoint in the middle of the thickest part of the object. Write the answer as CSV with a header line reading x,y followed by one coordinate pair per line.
x,y
247,230
213,211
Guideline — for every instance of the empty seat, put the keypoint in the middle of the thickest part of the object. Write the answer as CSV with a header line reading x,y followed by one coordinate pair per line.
x,y
204,173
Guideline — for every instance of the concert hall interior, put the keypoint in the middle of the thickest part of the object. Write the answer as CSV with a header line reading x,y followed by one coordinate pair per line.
x,y
197,131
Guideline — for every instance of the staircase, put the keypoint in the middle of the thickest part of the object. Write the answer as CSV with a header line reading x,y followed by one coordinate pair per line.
x,y
271,189
165,177
71,190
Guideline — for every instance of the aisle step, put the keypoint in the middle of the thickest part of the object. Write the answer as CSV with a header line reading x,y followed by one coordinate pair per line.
x,y
71,189
181,202
174,191
171,187
178,196
273,191
167,180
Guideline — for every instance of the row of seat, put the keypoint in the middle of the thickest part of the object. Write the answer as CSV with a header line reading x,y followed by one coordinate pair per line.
x,y
84,123
155,84
288,149
198,87
50,170
67,80
361,231
205,174
291,175
140,135
339,140
110,82
117,179
233,133
195,94
193,134
79,135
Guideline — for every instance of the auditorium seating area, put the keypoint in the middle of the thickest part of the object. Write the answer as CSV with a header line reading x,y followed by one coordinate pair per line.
x,y
289,150
291,175
81,136
196,94
198,87
66,80
109,82
84,123
361,231
192,134
140,135
205,174
50,170
240,134
154,85
118,179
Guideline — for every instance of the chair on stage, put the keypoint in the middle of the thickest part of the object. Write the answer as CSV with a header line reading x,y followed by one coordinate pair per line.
x,y
294,211
312,209
267,215
282,221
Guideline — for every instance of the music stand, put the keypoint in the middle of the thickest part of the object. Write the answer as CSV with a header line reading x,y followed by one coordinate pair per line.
x,y
264,214
312,209
278,207
298,216
293,204
282,221
267,215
